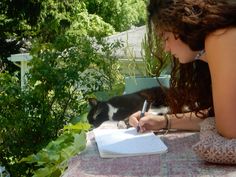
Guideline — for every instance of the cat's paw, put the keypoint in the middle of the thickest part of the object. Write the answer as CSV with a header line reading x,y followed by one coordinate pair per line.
x,y
121,125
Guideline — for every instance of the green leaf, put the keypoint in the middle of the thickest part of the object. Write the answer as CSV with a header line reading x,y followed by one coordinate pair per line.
x,y
45,172
78,127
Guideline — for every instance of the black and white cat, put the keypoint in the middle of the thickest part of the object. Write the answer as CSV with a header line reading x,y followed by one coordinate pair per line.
x,y
119,108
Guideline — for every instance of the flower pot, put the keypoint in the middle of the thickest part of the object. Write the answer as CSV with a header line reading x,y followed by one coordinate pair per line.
x,y
134,84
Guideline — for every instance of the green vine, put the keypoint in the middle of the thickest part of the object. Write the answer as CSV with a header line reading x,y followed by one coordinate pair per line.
x,y
53,159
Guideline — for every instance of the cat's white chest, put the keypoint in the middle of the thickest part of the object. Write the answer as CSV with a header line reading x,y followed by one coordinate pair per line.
x,y
111,111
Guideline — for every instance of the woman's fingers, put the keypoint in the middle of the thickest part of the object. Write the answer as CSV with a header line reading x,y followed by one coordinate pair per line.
x,y
150,123
134,119
146,123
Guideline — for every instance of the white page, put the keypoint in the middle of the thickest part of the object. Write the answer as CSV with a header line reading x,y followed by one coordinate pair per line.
x,y
127,142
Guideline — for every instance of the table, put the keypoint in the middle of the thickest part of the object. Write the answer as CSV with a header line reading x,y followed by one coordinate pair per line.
x,y
179,161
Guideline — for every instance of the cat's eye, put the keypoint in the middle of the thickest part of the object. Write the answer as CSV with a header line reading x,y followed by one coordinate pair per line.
x,y
96,114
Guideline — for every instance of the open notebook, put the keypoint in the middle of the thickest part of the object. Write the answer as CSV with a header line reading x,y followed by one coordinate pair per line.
x,y
127,142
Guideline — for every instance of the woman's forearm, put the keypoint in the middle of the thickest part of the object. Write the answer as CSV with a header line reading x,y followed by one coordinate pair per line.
x,y
186,121
153,122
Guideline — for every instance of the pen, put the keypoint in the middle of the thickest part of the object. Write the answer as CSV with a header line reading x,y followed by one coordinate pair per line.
x,y
144,109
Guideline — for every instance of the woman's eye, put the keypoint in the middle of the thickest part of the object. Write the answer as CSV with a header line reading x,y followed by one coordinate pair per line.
x,y
166,38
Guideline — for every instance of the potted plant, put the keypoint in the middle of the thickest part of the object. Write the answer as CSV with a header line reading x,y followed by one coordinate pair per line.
x,y
150,73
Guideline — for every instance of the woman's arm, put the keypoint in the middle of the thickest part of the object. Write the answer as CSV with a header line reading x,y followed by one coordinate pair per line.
x,y
221,56
186,121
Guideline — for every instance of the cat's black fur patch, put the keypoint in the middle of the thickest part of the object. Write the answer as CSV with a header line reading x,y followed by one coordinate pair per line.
x,y
125,104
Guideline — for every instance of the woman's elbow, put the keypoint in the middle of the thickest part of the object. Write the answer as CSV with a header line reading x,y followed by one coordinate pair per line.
x,y
228,132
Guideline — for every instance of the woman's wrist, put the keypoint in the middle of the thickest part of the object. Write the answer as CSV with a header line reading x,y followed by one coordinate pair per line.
x,y
167,122
163,122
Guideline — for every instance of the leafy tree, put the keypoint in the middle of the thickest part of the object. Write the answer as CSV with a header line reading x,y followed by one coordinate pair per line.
x,y
121,14
23,20
58,85
44,21
70,62
60,18
18,19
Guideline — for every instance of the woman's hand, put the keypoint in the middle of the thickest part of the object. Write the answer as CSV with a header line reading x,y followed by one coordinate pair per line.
x,y
149,122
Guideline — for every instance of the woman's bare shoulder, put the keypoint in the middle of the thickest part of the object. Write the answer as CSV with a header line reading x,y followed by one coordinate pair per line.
x,y
220,42
222,35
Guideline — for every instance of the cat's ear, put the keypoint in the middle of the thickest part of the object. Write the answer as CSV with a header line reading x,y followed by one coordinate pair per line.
x,y
93,101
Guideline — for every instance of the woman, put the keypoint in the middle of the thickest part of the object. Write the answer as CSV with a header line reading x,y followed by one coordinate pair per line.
x,y
204,30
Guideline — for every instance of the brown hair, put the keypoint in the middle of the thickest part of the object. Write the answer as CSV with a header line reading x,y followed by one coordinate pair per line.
x,y
191,21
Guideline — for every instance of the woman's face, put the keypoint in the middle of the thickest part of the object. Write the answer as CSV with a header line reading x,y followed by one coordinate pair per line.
x,y
177,48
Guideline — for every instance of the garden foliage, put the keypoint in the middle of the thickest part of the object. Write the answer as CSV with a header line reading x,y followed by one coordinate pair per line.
x,y
57,86
53,159
70,63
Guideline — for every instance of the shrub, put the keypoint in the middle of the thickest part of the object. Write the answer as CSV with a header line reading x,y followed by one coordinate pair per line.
x,y
58,84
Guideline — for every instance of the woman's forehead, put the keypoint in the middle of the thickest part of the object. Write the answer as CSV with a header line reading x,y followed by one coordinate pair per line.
x,y
163,32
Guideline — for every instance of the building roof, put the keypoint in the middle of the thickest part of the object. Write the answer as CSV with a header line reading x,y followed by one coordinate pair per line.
x,y
131,40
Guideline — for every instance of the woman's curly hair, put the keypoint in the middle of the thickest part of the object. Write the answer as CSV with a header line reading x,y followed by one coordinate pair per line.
x,y
191,21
